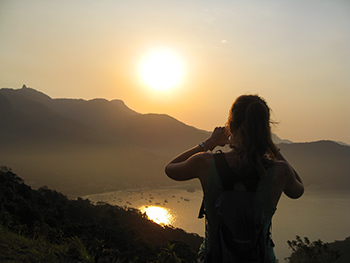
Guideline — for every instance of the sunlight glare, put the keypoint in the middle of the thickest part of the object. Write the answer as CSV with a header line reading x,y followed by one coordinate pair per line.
x,y
160,215
161,70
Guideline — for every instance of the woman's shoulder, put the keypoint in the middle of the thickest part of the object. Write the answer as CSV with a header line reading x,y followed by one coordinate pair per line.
x,y
283,171
204,158
200,164
281,166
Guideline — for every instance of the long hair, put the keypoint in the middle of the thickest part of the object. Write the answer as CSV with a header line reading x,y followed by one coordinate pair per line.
x,y
249,124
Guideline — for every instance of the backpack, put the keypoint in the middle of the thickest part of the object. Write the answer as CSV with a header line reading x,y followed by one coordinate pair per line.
x,y
239,236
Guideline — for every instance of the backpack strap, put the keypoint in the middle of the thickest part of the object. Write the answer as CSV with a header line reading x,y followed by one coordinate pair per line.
x,y
222,168
227,176
201,210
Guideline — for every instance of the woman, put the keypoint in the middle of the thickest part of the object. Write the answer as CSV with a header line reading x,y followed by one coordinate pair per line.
x,y
253,153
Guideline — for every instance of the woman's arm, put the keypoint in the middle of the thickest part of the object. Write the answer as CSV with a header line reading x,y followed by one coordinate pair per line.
x,y
193,162
191,167
294,187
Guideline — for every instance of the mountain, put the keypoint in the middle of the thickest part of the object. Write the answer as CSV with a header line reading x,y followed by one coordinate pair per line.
x,y
81,147
24,120
278,140
322,165
98,120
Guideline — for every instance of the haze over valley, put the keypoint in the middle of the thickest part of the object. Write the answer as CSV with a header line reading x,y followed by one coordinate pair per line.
x,y
84,147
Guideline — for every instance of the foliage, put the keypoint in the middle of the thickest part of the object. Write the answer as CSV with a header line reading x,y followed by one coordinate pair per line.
x,y
17,248
168,255
77,230
305,251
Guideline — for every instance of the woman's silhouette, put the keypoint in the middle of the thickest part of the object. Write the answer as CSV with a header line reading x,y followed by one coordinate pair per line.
x,y
248,132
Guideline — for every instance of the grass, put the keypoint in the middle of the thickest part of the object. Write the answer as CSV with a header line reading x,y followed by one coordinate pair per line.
x,y
15,248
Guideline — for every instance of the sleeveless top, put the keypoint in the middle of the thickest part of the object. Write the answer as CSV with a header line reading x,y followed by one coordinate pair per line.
x,y
213,191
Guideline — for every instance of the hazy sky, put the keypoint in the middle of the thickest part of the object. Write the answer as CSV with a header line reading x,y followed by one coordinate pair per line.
x,y
295,54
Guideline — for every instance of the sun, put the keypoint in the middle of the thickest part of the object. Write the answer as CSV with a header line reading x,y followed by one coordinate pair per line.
x,y
161,70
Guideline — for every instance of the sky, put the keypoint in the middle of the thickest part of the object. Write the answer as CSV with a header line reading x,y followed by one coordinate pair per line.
x,y
295,54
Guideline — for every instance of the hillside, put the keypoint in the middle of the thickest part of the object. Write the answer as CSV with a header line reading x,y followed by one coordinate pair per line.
x,y
81,147
45,226
305,251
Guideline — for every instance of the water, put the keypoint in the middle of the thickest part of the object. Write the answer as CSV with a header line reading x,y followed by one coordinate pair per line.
x,y
315,215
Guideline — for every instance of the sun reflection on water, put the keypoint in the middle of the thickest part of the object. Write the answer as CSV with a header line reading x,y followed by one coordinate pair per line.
x,y
160,215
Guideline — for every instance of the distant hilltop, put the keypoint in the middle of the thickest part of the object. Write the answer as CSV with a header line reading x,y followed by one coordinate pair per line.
x,y
83,147
278,140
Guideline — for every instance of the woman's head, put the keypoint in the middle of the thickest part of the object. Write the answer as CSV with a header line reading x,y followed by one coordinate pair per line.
x,y
249,124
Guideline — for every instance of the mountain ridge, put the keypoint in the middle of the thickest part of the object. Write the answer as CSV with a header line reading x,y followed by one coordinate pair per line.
x,y
40,97
84,147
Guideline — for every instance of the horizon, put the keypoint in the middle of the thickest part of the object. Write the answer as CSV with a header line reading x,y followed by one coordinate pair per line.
x,y
293,54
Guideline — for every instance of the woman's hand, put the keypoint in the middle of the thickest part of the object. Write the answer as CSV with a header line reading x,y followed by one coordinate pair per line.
x,y
219,137
190,164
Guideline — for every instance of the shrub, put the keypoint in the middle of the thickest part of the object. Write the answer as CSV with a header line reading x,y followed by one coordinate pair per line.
x,y
305,251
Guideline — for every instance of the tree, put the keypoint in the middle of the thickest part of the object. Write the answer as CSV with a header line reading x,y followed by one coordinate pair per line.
x,y
305,251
